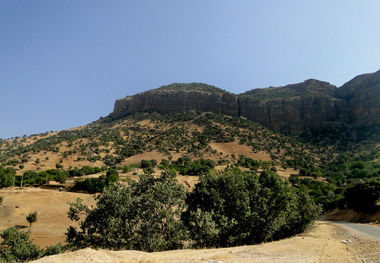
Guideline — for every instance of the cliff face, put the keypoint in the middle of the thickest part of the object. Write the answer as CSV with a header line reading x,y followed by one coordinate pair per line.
x,y
362,95
178,98
294,114
310,104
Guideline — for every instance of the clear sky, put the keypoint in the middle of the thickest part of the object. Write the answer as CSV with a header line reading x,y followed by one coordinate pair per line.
x,y
63,63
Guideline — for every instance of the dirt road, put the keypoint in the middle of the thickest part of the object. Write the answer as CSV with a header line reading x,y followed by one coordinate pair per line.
x,y
367,230
322,243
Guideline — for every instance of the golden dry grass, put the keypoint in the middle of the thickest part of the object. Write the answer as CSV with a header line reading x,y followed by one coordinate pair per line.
x,y
51,207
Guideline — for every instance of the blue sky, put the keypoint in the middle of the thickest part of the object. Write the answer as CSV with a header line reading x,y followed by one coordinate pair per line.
x,y
63,63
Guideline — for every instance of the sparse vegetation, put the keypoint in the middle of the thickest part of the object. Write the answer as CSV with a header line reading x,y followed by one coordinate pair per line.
x,y
31,218
335,169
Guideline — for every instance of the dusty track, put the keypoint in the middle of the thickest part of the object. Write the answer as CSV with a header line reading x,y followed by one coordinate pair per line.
x,y
322,243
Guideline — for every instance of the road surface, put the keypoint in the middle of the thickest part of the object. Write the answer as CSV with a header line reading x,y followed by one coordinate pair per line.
x,y
368,230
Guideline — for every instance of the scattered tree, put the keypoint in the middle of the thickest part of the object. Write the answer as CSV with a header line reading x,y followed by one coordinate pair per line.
x,y
32,217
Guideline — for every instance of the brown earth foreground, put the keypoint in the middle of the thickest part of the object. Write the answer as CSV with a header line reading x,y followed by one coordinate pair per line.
x,y
51,206
322,243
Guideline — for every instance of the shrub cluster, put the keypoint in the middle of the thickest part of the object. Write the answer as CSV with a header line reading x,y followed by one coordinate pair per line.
x,y
237,208
231,208
96,185
16,246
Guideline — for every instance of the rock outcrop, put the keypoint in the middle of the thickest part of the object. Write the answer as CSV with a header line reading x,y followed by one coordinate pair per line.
x,y
307,105
362,95
310,104
178,98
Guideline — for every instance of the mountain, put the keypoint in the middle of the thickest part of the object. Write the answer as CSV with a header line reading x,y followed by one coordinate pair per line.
x,y
200,120
194,129
306,105
312,104
362,95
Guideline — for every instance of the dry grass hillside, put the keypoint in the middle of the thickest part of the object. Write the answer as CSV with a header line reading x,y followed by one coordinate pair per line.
x,y
51,207
154,136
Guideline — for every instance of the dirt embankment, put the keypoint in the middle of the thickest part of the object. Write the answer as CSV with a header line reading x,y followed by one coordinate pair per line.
x,y
350,215
322,243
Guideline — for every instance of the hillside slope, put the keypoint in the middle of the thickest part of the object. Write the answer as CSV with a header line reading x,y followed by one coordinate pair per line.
x,y
221,138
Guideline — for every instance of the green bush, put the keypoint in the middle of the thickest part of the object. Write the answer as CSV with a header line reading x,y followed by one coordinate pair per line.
x,y
96,185
7,177
144,216
185,166
17,246
32,217
237,208
51,250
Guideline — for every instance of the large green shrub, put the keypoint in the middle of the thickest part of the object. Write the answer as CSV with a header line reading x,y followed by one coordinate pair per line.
x,y
96,185
16,246
7,177
52,250
144,215
236,208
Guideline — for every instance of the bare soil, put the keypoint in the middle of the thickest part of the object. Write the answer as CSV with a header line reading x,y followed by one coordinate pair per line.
x,y
237,149
51,207
350,215
322,243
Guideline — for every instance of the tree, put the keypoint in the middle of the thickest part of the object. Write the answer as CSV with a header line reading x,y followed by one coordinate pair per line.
x,y
32,217
52,250
363,196
7,177
237,208
17,246
144,215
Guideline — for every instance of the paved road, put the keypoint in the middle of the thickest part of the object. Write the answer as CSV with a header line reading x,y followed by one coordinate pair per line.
x,y
368,230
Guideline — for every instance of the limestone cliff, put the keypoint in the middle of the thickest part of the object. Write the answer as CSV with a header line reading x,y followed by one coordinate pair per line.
x,y
179,98
306,105
362,95
310,104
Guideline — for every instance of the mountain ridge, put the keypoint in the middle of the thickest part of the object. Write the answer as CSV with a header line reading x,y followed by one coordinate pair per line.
x,y
295,107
